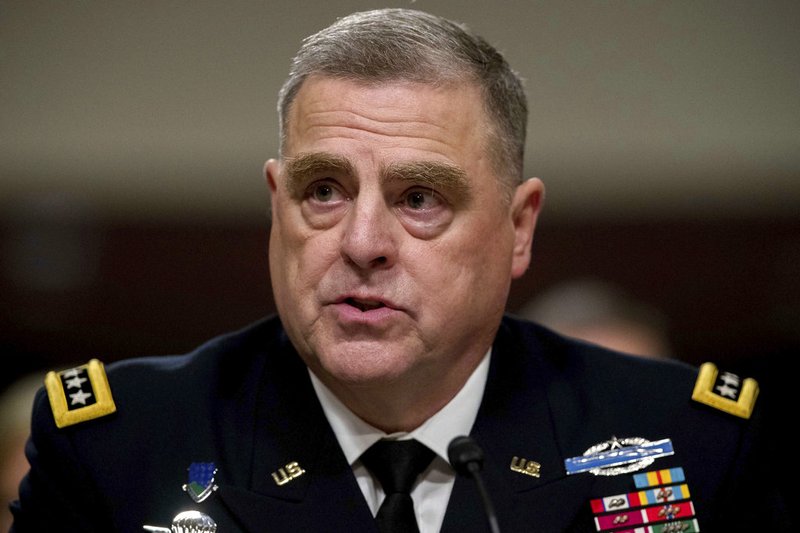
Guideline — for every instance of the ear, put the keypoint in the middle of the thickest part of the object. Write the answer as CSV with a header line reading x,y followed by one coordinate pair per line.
x,y
271,170
525,208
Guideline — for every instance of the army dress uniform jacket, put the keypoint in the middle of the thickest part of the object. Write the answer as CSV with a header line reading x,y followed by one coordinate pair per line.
x,y
243,406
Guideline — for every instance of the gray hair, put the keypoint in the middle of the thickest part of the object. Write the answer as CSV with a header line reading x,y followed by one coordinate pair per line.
x,y
410,45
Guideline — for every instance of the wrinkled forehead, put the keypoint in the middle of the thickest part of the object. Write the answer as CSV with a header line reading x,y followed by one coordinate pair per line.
x,y
448,112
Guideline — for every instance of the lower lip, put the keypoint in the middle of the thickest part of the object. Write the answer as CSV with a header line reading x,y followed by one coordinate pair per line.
x,y
348,314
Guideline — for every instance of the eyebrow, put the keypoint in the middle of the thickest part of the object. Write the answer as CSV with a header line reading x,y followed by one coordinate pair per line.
x,y
434,174
309,164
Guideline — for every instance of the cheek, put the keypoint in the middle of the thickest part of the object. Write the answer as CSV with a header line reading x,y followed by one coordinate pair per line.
x,y
453,271
482,256
285,251
299,259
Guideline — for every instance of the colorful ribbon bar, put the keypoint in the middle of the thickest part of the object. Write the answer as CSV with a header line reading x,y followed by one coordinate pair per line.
x,y
681,526
640,498
646,515
659,477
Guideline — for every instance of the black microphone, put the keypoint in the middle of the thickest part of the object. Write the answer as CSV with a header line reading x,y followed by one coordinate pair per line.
x,y
467,460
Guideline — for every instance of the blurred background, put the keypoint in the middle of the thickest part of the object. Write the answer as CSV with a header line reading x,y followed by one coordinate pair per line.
x,y
132,136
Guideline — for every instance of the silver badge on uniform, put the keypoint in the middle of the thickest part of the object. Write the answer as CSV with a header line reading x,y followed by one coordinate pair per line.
x,y
187,522
619,456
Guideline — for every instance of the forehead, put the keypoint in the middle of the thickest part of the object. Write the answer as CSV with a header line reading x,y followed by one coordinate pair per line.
x,y
440,118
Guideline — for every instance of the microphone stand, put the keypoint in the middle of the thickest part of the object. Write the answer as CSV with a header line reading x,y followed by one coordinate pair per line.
x,y
466,457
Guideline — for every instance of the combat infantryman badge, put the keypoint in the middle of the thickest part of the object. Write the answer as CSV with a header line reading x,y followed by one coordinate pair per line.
x,y
619,456
187,522
201,481
79,394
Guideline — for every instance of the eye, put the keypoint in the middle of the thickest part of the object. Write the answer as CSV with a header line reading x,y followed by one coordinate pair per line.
x,y
323,202
424,212
421,199
324,192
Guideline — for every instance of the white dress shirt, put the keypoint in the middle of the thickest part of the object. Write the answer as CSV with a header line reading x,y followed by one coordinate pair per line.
x,y
432,490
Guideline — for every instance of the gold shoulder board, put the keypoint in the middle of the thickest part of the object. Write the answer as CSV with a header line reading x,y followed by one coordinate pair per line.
x,y
725,391
79,394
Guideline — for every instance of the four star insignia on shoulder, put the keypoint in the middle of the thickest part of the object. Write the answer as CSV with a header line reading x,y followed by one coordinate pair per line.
x,y
725,391
79,394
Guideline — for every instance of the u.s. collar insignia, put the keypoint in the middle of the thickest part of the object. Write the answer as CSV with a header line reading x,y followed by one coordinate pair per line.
x,y
287,473
619,456
79,394
201,481
725,391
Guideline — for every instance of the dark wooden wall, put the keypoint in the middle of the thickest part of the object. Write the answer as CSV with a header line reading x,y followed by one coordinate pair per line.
x,y
729,288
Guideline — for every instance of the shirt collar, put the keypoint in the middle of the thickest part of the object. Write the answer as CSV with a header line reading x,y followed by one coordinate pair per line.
x,y
454,419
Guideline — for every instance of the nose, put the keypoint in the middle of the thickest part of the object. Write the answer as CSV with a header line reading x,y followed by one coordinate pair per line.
x,y
368,241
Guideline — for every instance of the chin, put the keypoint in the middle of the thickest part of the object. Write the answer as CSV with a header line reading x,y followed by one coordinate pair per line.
x,y
358,366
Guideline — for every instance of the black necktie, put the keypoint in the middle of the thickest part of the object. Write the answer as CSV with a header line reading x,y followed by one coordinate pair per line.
x,y
397,464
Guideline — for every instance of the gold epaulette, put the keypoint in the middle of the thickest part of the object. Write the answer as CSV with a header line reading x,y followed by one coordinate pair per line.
x,y
79,394
725,391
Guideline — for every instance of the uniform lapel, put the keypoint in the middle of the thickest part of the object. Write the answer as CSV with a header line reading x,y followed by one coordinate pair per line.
x,y
299,479
517,433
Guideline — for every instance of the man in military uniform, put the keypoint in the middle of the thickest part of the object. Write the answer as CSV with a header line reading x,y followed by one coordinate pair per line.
x,y
400,217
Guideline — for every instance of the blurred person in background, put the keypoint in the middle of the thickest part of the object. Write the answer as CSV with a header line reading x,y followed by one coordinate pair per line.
x,y
603,313
15,422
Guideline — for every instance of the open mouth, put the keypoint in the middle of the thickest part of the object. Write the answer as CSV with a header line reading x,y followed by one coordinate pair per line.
x,y
364,305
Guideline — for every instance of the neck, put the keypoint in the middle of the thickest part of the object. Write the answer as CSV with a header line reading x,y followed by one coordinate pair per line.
x,y
398,412
405,403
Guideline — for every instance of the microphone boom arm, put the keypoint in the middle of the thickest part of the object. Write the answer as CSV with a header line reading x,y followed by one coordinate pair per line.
x,y
466,457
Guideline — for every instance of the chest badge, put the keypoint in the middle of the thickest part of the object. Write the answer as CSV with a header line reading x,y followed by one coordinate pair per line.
x,y
201,481
187,522
619,456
